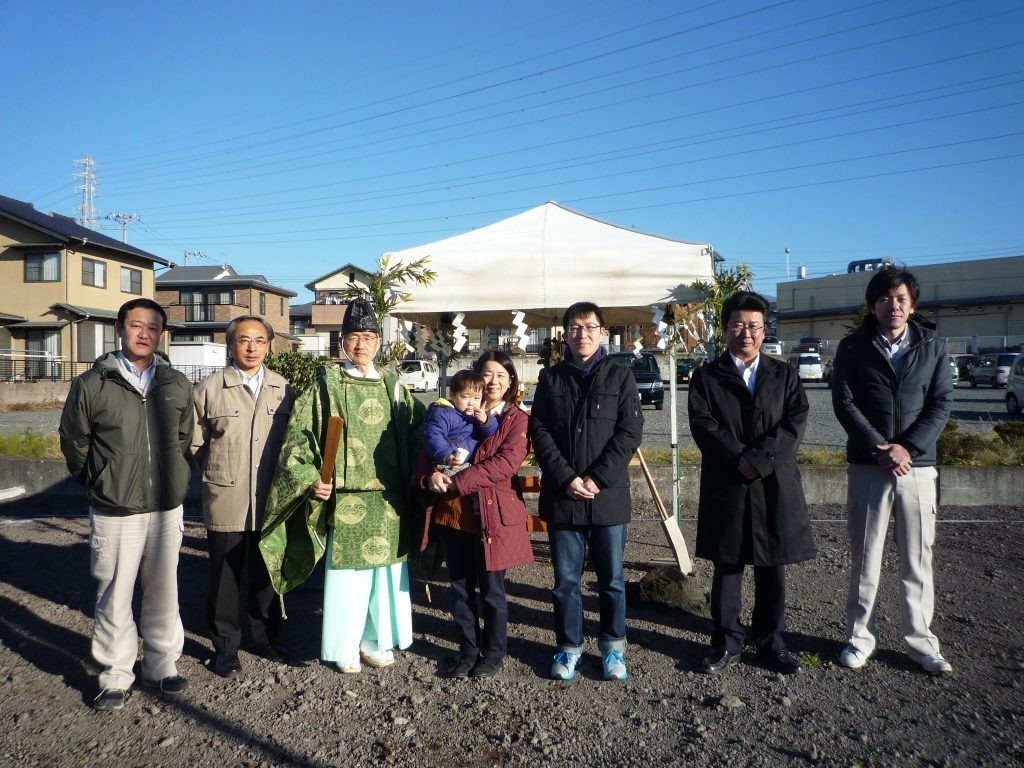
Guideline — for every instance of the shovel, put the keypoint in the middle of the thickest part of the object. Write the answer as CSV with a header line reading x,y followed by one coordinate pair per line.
x,y
668,522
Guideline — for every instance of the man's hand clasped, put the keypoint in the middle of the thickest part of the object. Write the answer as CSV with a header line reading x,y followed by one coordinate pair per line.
x,y
895,458
582,488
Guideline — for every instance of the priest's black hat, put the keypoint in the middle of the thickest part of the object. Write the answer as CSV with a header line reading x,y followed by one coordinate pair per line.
x,y
359,316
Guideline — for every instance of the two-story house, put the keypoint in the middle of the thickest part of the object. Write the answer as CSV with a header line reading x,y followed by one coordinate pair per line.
x,y
318,323
62,285
201,300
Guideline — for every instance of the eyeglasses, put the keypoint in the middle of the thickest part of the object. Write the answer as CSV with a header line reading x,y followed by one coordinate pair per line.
x,y
739,328
245,341
590,328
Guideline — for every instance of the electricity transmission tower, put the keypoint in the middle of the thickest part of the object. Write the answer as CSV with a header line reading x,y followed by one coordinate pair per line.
x,y
87,209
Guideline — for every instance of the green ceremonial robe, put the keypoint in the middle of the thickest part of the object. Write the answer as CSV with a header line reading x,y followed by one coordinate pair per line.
x,y
372,479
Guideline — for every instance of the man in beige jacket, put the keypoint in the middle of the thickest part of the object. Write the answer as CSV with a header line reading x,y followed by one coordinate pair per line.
x,y
241,413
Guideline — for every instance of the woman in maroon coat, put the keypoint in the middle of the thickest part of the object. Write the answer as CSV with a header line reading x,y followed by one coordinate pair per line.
x,y
479,518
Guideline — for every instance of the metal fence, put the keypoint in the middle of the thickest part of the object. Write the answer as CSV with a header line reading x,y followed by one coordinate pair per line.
x,y
21,367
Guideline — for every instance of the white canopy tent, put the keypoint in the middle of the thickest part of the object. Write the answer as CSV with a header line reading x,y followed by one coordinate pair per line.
x,y
541,261
544,259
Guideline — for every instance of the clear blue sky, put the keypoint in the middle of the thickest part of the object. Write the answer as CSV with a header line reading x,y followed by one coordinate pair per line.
x,y
291,138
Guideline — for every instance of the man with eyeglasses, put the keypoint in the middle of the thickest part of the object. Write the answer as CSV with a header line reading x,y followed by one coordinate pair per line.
x,y
748,413
241,413
585,426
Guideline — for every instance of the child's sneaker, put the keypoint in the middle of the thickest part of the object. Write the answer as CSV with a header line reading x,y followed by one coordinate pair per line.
x,y
564,666
615,666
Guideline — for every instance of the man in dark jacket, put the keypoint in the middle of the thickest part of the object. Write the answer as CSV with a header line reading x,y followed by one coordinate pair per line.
x,y
125,432
747,415
586,424
892,393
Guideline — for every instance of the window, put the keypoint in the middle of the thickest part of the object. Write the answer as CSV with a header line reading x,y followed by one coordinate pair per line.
x,y
281,310
263,303
192,337
199,305
42,350
42,267
95,339
131,280
94,273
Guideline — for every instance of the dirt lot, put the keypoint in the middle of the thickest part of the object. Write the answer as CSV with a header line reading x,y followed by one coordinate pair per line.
x,y
888,713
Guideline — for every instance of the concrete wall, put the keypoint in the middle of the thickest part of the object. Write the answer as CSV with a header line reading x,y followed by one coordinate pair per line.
x,y
33,392
958,486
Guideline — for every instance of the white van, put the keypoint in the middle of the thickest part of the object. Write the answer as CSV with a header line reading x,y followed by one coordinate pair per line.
x,y
418,375
807,365
1015,386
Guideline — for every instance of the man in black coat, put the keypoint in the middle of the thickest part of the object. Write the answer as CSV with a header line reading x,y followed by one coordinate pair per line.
x,y
892,393
585,426
748,412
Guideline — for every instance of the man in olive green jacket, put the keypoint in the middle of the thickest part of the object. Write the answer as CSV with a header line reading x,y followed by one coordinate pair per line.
x,y
241,415
125,432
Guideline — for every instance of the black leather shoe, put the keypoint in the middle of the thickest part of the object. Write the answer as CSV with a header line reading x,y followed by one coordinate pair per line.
x,y
277,654
486,668
172,685
718,661
227,665
462,667
268,652
782,661
109,700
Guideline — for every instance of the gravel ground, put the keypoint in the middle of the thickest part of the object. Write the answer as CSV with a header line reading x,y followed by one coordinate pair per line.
x,y
888,713
976,410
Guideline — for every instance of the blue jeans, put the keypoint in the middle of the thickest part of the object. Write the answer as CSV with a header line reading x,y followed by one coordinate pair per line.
x,y
607,545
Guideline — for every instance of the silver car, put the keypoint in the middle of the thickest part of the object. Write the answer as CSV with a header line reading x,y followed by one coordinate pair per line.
x,y
993,370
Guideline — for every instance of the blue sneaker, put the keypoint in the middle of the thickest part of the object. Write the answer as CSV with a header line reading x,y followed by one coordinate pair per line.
x,y
615,666
564,666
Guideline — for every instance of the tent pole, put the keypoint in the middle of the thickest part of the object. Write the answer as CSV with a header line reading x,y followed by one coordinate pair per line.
x,y
674,429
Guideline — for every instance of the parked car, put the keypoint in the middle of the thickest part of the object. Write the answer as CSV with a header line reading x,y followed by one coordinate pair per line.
x,y
771,346
807,365
684,369
963,366
993,370
809,344
1015,386
647,375
953,371
419,375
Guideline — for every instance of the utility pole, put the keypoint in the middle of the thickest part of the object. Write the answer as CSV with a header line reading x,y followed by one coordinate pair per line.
x,y
124,219
87,208
194,254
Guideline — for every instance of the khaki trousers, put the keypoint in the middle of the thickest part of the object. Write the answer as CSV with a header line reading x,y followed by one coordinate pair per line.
x,y
873,495
125,547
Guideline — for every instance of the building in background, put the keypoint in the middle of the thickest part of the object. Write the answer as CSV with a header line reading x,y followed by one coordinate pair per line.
x,y
62,285
202,300
317,325
976,305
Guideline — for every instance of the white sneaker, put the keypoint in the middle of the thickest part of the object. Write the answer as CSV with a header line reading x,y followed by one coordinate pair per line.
x,y
935,664
615,666
564,666
851,658
378,659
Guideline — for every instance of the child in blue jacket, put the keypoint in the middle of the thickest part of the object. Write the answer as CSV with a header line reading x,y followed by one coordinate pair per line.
x,y
455,426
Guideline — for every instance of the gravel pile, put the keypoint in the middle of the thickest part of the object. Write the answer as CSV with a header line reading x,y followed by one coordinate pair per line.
x,y
667,713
